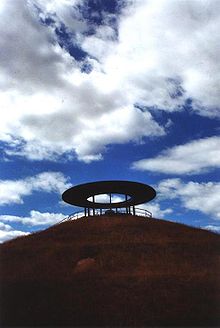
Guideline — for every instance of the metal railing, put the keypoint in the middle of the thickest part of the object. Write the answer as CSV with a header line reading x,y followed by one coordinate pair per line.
x,y
79,214
143,212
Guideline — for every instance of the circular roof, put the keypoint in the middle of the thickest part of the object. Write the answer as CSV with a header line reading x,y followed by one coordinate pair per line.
x,y
139,193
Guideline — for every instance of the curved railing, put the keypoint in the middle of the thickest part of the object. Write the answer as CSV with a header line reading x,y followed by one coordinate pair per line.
x,y
79,214
143,212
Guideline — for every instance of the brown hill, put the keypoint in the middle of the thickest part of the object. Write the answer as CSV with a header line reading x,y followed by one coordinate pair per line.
x,y
112,271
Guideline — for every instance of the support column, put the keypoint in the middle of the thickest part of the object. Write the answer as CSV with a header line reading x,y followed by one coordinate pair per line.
x,y
126,198
85,212
93,200
134,210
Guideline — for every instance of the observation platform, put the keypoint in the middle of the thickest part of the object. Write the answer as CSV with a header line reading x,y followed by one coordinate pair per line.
x,y
128,194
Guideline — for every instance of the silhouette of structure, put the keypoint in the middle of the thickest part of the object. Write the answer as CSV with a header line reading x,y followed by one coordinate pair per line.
x,y
134,193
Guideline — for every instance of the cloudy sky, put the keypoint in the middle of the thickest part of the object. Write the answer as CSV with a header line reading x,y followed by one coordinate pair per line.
x,y
116,89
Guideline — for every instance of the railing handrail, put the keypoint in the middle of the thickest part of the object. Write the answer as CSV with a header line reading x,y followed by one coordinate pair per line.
x,y
76,215
145,211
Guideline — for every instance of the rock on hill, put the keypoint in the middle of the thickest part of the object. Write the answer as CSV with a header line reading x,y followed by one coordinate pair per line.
x,y
112,271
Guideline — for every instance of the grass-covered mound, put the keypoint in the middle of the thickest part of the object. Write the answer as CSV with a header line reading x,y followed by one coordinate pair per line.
x,y
112,271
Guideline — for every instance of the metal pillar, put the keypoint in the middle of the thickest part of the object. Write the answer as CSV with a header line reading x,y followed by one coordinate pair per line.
x,y
126,198
110,199
93,200
134,210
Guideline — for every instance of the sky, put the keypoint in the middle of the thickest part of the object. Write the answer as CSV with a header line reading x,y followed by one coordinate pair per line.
x,y
95,90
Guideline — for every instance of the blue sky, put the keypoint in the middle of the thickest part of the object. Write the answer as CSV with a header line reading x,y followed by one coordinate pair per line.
x,y
101,90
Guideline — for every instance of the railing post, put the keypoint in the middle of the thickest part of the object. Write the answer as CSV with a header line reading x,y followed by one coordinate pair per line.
x,y
93,200
133,210
110,200
85,211
126,198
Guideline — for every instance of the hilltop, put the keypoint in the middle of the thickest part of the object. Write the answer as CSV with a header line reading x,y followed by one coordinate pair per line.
x,y
112,271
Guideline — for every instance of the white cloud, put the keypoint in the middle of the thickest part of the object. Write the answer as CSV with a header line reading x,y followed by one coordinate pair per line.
x,y
212,228
7,232
35,218
192,158
64,11
5,227
155,209
49,107
105,198
203,197
161,41
13,191
35,151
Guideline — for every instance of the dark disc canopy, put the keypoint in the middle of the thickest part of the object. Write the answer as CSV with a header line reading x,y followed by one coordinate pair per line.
x,y
138,193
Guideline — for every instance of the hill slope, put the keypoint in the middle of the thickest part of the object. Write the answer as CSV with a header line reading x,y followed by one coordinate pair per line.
x,y
112,271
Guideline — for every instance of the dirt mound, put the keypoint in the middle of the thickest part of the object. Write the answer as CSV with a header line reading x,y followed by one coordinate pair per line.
x,y
112,271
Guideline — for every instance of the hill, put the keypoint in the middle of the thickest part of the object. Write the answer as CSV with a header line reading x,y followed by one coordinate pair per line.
x,y
112,271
